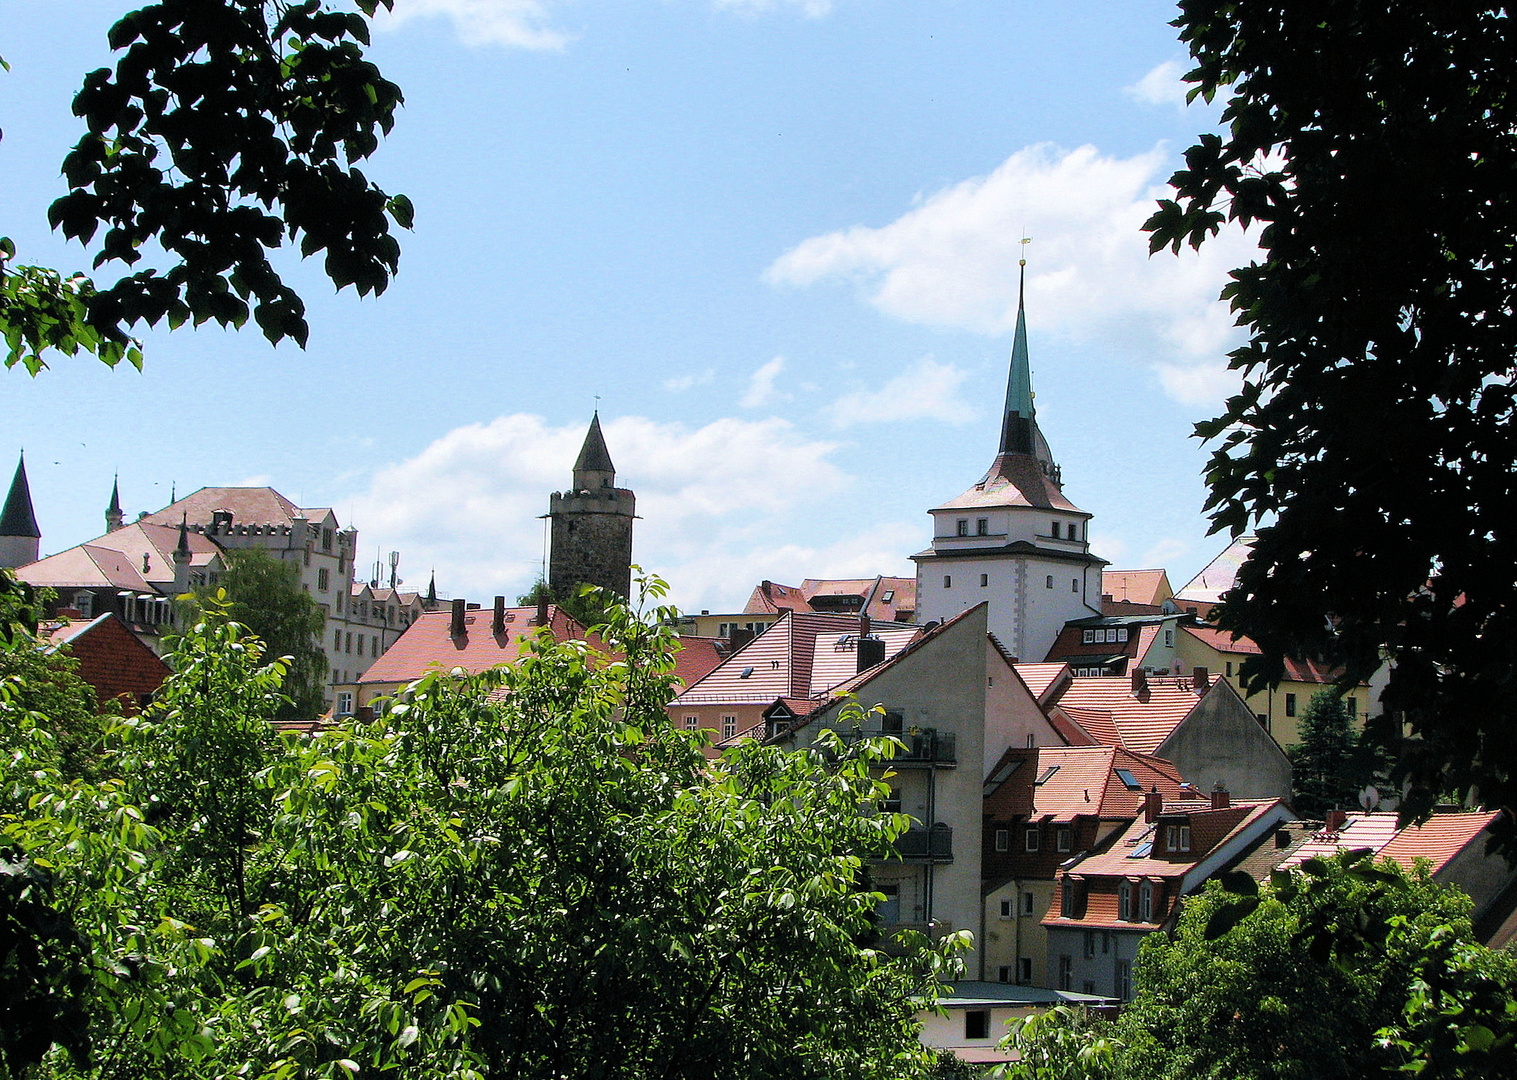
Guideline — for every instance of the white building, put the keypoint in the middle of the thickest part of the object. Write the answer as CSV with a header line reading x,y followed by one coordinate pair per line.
x,y
1013,539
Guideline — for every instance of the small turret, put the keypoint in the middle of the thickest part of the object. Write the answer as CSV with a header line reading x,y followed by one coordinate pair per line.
x,y
113,515
182,557
19,535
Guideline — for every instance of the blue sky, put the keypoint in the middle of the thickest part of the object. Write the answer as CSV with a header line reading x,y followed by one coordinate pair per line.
x,y
778,239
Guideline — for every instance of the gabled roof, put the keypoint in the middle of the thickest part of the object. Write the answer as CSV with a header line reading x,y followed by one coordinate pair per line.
x,y
1132,854
18,519
1081,781
1438,839
1372,831
768,597
427,643
1136,586
157,542
86,567
249,506
1220,574
1041,678
802,655
697,657
1139,722
1224,641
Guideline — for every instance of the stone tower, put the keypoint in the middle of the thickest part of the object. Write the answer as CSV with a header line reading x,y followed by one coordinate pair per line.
x,y
19,535
591,539
1013,539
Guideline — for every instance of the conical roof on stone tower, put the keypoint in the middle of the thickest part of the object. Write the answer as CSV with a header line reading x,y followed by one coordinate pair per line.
x,y
593,468
115,507
18,518
1023,472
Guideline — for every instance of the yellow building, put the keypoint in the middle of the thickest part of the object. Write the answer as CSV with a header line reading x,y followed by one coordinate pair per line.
x,y
1279,709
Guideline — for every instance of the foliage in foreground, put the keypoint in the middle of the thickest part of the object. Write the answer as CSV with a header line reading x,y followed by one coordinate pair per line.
x,y
1342,969
1371,445
525,873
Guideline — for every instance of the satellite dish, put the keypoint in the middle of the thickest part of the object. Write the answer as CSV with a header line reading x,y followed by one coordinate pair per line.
x,y
1369,798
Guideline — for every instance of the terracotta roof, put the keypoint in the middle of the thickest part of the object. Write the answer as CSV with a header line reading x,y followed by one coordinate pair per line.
x,y
1141,722
1371,831
249,506
802,655
1438,839
1210,829
1039,678
1013,480
85,566
697,657
769,596
1302,671
1220,574
157,542
1136,586
1082,781
427,643
1146,638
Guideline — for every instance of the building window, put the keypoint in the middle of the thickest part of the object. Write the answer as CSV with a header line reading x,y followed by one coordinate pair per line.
x,y
692,723
1027,903
1090,987
323,578
84,604
1178,838
1124,902
1066,972
326,539
982,527
963,526
336,640
1121,633
374,646
1003,839
1055,528
976,1023
1229,669
1024,969
1031,842
1005,973
1074,585
1169,639
729,727
1090,944
1352,704
344,703
947,581
1067,896
1122,985
348,642
1088,637
1145,902
1050,581
1065,839
985,580
1290,704
1006,913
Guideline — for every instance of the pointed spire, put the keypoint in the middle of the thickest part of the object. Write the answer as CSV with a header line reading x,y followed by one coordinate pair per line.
x,y
1017,423
593,468
432,590
113,515
183,550
18,518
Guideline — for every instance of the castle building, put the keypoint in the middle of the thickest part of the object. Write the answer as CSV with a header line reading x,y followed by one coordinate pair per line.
x,y
1013,539
19,535
591,532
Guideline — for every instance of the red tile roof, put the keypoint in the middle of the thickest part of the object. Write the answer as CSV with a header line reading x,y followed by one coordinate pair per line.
x,y
1136,586
1371,831
1040,678
769,596
697,657
85,566
1140,722
427,644
249,506
1223,641
1438,839
1084,783
1013,480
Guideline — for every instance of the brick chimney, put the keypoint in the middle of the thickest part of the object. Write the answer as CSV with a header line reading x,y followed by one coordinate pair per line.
x,y
1220,798
1336,819
1139,681
542,610
498,619
1153,805
456,623
1200,679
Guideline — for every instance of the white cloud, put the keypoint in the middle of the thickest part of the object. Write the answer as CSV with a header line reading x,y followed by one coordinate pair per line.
x,y
469,504
952,259
522,24
1204,383
1164,85
761,389
927,391
812,9
682,383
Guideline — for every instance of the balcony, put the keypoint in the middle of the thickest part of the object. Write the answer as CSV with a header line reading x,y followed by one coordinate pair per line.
x,y
923,746
933,845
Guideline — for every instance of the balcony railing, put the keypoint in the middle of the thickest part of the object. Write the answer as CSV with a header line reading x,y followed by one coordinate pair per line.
x,y
932,845
922,746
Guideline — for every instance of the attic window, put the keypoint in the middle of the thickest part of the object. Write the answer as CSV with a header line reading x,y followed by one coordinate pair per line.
x,y
1000,776
1129,780
1088,637
889,596
1047,774
747,671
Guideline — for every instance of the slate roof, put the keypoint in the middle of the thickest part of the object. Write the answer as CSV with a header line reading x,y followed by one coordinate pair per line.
x,y
18,519
593,455
1136,586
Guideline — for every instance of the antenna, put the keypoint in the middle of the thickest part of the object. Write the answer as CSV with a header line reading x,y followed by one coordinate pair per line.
x,y
394,562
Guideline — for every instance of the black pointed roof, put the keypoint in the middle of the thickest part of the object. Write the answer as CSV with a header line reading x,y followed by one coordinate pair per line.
x,y
593,456
115,507
18,518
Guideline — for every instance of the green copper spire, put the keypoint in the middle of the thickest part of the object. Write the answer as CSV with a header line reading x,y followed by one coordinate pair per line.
x,y
1017,424
18,518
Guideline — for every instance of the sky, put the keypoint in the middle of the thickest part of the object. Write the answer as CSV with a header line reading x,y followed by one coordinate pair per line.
x,y
774,242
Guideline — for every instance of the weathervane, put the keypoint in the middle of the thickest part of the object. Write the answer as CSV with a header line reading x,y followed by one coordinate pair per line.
x,y
1024,242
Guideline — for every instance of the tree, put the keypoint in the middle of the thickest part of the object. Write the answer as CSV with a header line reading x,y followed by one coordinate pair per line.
x,y
1332,764
47,684
529,872
265,595
1371,447
588,606
227,129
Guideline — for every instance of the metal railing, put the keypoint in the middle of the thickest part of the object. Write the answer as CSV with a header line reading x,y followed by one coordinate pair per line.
x,y
933,845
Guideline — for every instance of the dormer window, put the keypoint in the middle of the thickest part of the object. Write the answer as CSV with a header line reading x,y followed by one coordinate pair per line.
x,y
1124,902
1177,838
1146,903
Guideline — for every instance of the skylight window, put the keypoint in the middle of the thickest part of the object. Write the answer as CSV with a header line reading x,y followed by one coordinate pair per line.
x,y
889,595
1047,774
1128,779
1000,776
1142,851
747,671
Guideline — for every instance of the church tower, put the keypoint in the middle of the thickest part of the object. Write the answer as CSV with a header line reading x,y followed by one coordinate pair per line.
x,y
113,515
19,535
591,532
1013,539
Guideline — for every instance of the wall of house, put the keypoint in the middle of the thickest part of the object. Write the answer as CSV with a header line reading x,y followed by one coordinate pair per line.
x,y
1012,715
1020,935
1220,741
1096,973
945,1031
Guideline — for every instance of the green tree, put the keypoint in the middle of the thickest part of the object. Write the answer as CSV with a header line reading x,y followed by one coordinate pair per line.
x,y
529,872
1371,447
47,685
265,595
228,128
588,606
1332,763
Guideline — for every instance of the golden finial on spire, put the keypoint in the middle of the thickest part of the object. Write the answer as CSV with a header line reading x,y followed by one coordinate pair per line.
x,y
1024,242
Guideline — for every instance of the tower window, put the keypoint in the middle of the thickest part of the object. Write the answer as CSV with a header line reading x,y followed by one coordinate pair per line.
x,y
963,527
1050,581
947,581
985,580
982,527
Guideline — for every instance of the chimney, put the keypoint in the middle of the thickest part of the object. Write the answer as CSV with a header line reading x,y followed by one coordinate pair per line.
x,y
456,624
1336,819
1220,799
365,714
498,620
871,651
1139,681
1200,679
542,609
1153,805
741,635
864,626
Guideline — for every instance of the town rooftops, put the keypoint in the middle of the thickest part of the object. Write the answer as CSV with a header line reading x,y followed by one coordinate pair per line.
x,y
1061,783
1149,587
1112,711
1043,678
1224,641
883,599
1437,840
248,506
86,567
428,643
1014,480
